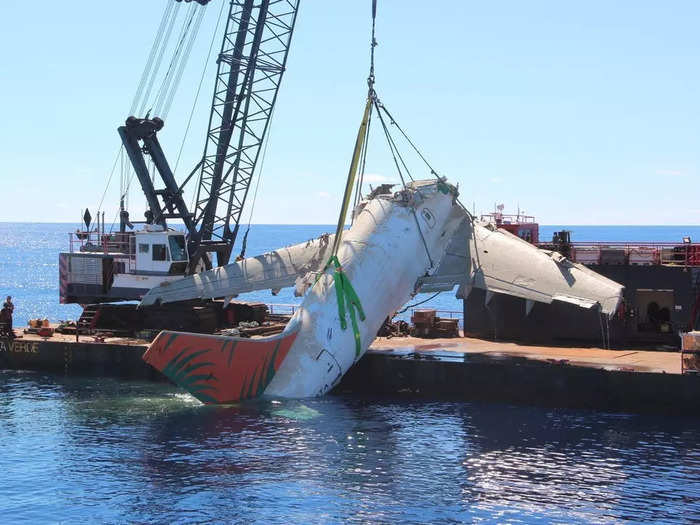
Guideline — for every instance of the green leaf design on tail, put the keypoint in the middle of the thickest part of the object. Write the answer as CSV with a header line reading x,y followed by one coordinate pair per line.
x,y
182,375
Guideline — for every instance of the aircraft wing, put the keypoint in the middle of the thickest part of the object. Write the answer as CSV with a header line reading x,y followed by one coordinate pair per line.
x,y
274,270
495,260
479,255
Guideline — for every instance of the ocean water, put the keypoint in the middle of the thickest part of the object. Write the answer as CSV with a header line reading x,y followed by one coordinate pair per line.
x,y
97,450
102,450
29,261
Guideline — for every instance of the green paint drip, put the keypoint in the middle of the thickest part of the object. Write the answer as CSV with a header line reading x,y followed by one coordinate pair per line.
x,y
347,300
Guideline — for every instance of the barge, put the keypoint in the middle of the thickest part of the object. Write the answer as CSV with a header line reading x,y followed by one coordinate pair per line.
x,y
456,368
661,294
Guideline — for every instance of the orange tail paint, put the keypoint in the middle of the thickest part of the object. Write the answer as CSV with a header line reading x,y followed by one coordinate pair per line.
x,y
219,369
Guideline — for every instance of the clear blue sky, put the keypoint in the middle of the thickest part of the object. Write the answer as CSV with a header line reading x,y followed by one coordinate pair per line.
x,y
580,112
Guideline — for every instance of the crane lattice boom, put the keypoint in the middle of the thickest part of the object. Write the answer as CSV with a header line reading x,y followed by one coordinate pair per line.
x,y
250,66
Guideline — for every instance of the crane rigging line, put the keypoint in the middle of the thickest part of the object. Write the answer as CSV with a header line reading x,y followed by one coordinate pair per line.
x,y
415,148
244,243
169,5
363,163
167,21
179,58
370,95
162,44
170,82
373,100
109,179
392,146
156,104
422,157
183,63
182,59
199,88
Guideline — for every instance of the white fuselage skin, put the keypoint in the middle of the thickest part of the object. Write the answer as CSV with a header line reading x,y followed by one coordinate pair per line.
x,y
383,255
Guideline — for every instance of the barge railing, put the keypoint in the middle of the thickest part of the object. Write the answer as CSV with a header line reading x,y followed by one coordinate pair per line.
x,y
633,253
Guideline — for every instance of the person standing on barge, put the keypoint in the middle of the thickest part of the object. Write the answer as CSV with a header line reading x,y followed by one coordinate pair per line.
x,y
8,308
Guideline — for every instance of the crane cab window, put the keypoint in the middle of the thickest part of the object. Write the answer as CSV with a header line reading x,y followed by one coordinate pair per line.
x,y
159,252
143,248
177,248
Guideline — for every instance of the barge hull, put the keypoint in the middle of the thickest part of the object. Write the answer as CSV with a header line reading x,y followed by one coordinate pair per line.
x,y
62,354
462,369
674,287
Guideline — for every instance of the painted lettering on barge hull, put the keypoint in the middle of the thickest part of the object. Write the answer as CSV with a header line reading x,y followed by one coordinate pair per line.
x,y
20,347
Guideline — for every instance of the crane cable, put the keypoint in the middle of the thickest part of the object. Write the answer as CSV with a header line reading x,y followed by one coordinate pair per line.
x,y
109,179
179,61
393,122
415,148
167,16
162,44
346,295
151,56
152,105
363,163
183,63
244,243
199,88
394,152
371,94
145,86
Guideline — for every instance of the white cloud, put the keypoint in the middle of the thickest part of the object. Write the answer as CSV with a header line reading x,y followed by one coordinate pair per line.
x,y
376,178
323,195
670,173
496,180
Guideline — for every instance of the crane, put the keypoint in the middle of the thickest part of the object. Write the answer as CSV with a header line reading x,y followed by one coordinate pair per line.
x,y
250,65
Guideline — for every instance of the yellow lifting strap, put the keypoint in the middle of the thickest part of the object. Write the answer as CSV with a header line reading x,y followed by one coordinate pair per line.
x,y
359,143
346,295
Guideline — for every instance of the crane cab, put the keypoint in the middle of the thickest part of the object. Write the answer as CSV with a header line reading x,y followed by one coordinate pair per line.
x,y
120,266
160,253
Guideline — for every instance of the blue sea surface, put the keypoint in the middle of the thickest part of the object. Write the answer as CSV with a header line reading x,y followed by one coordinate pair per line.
x,y
29,261
624,233
102,450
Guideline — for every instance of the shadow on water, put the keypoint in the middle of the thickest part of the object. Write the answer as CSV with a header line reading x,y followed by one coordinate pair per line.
x,y
107,450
